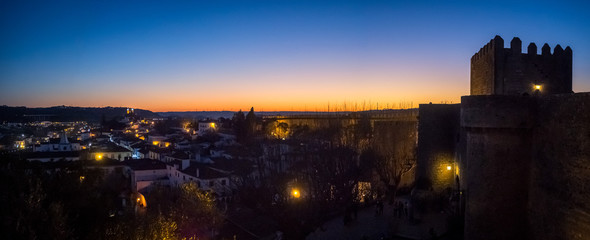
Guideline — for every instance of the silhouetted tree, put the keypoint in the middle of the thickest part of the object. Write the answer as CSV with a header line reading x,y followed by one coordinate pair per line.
x,y
239,125
250,123
363,132
193,210
40,202
65,200
393,153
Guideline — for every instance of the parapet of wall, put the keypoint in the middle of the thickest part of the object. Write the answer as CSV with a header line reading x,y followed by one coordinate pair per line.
x,y
559,187
496,162
497,112
319,121
438,133
553,72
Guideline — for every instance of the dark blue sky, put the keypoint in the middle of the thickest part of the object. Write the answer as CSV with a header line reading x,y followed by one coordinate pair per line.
x,y
274,55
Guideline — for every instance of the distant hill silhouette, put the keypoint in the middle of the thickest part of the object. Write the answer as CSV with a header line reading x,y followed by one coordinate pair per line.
x,y
66,113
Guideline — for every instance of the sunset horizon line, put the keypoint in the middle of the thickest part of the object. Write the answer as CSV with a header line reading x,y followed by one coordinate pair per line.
x,y
325,108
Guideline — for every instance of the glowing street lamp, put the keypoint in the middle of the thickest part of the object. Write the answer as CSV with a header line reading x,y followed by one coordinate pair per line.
x,y
449,167
141,200
295,193
538,87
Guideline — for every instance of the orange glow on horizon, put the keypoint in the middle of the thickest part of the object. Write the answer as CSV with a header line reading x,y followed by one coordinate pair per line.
x,y
279,91
270,106
295,103
303,105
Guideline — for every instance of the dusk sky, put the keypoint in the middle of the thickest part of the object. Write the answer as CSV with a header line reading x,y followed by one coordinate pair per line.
x,y
272,55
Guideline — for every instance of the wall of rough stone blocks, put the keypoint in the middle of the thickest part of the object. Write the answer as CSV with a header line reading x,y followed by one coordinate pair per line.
x,y
559,188
483,72
527,166
497,159
438,129
509,71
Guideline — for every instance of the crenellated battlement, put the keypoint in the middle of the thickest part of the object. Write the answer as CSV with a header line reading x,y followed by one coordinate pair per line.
x,y
509,148
509,71
497,43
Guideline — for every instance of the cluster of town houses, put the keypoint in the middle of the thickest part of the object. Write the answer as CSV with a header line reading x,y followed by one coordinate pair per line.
x,y
205,153
182,155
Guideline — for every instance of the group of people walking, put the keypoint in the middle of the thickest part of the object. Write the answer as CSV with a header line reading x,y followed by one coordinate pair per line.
x,y
401,209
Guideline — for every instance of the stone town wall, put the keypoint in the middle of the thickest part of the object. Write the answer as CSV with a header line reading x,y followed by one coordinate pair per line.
x,y
438,128
323,120
528,166
497,159
559,188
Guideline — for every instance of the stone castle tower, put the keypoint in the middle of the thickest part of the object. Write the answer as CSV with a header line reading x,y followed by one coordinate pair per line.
x,y
496,70
515,151
525,158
